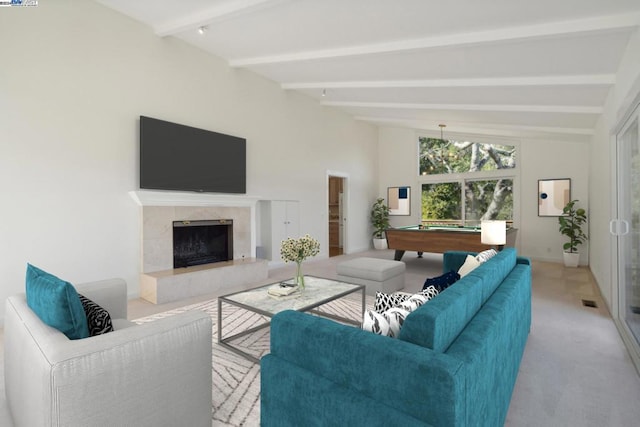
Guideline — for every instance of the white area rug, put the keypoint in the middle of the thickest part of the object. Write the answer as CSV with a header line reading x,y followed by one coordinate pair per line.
x,y
236,381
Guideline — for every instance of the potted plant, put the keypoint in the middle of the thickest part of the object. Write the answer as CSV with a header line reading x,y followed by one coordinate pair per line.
x,y
380,222
571,223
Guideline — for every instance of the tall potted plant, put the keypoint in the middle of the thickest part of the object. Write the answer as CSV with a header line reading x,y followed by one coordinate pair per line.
x,y
571,223
380,222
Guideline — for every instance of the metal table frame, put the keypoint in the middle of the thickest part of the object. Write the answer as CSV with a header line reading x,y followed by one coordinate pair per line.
x,y
225,341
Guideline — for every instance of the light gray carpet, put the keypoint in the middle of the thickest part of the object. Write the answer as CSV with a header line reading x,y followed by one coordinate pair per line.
x,y
575,370
236,381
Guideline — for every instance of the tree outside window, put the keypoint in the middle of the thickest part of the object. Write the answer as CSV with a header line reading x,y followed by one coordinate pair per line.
x,y
488,200
469,199
442,203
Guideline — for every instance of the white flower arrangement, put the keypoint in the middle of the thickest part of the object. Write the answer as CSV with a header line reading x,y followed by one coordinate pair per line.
x,y
297,250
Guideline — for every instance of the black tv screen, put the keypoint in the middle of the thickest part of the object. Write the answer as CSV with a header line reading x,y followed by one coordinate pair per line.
x,y
184,158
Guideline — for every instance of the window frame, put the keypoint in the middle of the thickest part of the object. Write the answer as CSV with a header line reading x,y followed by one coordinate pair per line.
x,y
511,173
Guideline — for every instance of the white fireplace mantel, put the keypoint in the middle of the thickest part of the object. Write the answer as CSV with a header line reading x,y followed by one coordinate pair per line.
x,y
175,198
161,283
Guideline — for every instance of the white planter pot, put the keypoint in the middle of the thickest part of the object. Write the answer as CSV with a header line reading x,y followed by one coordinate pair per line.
x,y
571,259
380,243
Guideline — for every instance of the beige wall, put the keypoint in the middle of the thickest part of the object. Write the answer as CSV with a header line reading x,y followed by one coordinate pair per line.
x,y
74,79
547,159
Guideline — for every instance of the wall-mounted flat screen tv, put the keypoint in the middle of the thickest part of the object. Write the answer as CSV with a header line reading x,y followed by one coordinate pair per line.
x,y
184,158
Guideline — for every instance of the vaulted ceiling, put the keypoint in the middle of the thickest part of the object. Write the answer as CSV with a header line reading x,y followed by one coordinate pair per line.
x,y
514,68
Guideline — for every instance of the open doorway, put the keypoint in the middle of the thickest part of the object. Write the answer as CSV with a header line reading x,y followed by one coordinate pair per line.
x,y
337,215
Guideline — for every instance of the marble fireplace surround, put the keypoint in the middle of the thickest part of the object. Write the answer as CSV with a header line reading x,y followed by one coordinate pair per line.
x,y
160,282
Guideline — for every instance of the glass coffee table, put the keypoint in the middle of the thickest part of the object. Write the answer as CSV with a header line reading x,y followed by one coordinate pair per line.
x,y
317,292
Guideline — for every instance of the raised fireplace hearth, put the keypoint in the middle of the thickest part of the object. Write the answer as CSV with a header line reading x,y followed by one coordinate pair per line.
x,y
160,282
202,242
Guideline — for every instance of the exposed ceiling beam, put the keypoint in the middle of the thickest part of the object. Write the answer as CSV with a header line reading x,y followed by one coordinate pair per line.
x,y
545,129
549,129
566,109
210,15
484,128
606,23
575,80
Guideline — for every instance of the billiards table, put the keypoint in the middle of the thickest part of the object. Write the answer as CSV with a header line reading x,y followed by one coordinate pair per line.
x,y
439,239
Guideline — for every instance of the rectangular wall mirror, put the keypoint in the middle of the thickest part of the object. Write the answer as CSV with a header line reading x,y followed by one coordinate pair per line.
x,y
399,200
553,195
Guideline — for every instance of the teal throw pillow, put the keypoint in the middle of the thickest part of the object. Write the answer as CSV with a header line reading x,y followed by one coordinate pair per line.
x,y
56,303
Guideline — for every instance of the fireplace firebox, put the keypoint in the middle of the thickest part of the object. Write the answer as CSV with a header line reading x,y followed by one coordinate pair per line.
x,y
202,242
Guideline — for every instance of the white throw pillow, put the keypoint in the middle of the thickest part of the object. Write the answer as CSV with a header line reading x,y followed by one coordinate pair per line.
x,y
469,265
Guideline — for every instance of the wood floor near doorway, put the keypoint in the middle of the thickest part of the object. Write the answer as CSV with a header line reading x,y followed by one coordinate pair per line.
x,y
335,251
335,208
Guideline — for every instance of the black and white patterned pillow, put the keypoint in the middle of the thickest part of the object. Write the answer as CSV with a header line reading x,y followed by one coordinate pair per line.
x,y
429,292
98,319
376,323
395,316
390,321
486,255
414,301
386,301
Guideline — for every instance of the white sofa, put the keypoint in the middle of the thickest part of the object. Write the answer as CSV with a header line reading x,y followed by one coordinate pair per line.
x,y
154,374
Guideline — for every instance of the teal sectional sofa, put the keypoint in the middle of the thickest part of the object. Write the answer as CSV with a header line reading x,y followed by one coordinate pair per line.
x,y
454,363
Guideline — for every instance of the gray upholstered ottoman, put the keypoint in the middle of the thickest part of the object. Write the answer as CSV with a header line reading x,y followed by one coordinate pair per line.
x,y
377,274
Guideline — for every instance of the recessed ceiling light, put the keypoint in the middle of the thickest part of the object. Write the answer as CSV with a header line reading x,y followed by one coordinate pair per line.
x,y
202,30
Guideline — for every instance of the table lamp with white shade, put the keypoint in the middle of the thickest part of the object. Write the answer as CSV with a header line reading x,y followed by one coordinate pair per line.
x,y
494,233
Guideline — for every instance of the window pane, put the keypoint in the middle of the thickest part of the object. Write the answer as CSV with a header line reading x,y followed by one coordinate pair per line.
x,y
490,199
441,203
438,156
487,199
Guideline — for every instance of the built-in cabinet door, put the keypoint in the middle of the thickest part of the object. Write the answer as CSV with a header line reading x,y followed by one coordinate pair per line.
x,y
626,228
285,220
292,219
280,220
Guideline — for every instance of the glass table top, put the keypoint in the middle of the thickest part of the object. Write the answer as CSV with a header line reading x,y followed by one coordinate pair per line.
x,y
317,291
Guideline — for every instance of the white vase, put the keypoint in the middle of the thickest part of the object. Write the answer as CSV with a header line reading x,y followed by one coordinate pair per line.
x,y
571,259
380,243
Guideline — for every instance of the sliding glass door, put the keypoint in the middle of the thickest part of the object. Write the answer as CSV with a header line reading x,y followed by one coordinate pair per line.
x,y
627,229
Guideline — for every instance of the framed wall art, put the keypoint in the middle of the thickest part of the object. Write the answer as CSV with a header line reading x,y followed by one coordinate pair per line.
x,y
553,195
399,200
